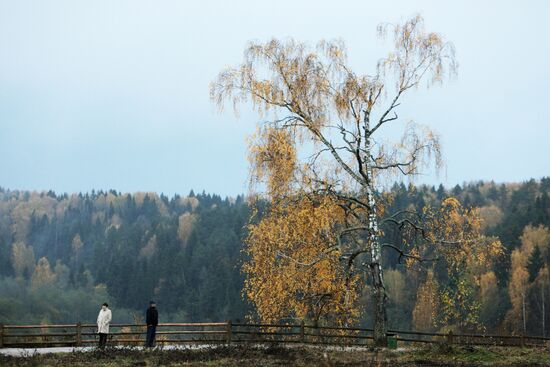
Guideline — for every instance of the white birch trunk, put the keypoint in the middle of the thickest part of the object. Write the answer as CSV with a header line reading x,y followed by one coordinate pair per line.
x,y
378,288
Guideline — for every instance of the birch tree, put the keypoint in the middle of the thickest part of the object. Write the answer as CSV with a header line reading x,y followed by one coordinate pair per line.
x,y
333,121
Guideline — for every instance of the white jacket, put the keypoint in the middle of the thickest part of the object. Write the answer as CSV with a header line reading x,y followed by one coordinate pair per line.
x,y
103,320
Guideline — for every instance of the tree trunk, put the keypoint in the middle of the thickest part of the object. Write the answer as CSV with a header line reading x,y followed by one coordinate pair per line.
x,y
380,316
543,315
523,312
378,289
376,272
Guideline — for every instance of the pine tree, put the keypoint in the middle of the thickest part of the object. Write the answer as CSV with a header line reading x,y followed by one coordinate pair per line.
x,y
535,263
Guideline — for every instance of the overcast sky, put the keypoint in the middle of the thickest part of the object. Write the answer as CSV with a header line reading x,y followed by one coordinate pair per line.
x,y
114,94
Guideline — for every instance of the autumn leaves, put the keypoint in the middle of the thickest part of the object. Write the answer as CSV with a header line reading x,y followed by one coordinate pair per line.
x,y
321,161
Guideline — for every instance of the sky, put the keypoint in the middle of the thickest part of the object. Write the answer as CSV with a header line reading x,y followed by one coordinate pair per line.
x,y
114,94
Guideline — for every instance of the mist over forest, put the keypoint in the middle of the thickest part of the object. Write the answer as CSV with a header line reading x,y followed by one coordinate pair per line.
x,y
62,255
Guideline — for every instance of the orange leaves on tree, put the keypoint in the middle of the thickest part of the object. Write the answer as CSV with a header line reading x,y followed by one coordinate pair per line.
x,y
272,155
294,268
454,234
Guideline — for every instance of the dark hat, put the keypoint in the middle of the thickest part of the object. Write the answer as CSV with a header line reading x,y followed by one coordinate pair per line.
x,y
152,302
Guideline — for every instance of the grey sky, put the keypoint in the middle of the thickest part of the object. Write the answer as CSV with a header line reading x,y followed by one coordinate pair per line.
x,y
114,94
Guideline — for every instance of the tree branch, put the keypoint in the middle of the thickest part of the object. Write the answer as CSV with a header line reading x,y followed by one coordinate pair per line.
x,y
407,255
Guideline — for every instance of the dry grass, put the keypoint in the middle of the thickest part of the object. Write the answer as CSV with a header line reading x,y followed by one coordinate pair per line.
x,y
295,356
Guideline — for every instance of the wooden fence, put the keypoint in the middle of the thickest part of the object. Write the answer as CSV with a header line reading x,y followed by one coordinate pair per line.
x,y
76,335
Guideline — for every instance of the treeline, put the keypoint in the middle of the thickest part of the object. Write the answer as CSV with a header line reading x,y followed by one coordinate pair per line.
x,y
61,256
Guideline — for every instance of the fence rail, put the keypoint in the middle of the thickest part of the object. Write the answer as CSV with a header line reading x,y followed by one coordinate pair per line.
x,y
227,332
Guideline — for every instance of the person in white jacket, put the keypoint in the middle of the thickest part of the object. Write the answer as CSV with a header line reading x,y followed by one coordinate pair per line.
x,y
103,320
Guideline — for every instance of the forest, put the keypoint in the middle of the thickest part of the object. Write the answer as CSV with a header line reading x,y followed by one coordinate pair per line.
x,y
62,255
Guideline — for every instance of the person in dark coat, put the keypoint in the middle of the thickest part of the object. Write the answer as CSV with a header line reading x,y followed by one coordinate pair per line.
x,y
152,320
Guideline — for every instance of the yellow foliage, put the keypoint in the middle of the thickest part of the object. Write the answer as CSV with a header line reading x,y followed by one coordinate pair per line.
x,y
22,259
519,276
43,274
273,158
186,223
395,286
294,269
321,158
139,197
427,303
488,288
149,249
457,233
454,235
517,288
192,202
535,236
490,215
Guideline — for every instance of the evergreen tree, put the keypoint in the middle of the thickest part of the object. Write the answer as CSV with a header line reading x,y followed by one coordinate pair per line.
x,y
534,264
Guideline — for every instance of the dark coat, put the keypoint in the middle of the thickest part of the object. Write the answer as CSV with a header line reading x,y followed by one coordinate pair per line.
x,y
152,316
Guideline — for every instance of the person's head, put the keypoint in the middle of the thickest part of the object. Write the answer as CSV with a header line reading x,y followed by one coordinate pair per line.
x,y
152,304
104,306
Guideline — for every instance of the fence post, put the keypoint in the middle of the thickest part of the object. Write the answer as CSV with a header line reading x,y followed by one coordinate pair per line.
x,y
302,332
78,334
450,338
522,340
228,332
1,336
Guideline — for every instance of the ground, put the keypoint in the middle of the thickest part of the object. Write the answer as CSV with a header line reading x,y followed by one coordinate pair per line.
x,y
271,356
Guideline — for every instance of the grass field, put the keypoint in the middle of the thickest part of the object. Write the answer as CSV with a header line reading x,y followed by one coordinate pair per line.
x,y
295,356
